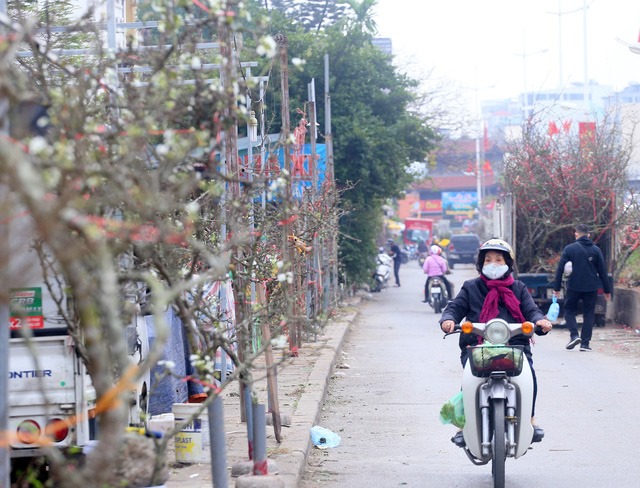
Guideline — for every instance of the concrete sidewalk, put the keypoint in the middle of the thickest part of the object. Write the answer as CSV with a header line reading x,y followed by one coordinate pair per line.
x,y
302,386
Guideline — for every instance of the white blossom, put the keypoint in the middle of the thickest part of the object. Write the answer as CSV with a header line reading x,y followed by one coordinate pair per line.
x,y
267,47
169,365
38,145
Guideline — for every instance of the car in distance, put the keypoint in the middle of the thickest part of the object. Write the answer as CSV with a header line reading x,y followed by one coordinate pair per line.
x,y
463,248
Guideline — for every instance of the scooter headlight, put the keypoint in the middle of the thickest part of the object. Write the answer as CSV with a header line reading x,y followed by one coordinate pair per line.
x,y
497,332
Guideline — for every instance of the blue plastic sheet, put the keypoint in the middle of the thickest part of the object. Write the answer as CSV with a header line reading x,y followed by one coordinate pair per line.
x,y
324,438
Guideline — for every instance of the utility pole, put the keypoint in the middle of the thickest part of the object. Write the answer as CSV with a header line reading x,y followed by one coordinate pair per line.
x,y
330,177
313,168
587,104
285,131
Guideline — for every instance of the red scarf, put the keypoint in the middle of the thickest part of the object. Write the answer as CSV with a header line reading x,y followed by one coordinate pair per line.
x,y
499,291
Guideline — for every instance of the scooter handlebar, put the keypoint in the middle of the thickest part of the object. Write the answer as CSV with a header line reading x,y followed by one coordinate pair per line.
x,y
457,329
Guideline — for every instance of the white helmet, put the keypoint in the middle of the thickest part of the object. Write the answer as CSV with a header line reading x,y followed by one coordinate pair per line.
x,y
435,250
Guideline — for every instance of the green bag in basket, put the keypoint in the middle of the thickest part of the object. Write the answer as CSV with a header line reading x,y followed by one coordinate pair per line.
x,y
452,412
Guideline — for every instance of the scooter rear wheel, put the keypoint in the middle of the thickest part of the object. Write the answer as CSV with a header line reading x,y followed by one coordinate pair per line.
x,y
437,305
499,444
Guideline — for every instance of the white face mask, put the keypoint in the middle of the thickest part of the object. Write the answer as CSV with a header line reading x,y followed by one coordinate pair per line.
x,y
494,271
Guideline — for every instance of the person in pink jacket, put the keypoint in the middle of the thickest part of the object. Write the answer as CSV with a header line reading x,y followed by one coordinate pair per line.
x,y
435,265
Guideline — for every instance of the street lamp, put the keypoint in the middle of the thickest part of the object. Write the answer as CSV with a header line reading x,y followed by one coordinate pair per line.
x,y
560,13
634,48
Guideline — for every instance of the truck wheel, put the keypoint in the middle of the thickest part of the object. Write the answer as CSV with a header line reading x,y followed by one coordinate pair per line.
x,y
600,321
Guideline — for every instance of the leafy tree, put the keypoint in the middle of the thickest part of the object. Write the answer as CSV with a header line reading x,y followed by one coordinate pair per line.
x,y
312,15
559,180
128,196
377,127
362,18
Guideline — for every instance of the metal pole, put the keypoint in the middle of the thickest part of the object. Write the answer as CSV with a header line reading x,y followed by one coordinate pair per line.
x,y
248,403
587,104
111,25
263,152
478,181
5,460
219,474
313,133
478,165
560,78
525,97
330,174
260,466
313,167
5,464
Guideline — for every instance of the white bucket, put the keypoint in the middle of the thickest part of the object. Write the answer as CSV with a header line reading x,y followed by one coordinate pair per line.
x,y
192,443
162,423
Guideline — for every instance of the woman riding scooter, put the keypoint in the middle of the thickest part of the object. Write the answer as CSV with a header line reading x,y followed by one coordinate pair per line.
x,y
495,294
433,266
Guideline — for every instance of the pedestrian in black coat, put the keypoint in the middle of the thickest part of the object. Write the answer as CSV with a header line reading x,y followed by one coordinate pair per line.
x,y
396,254
589,273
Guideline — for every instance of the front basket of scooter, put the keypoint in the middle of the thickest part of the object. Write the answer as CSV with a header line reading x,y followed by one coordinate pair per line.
x,y
485,360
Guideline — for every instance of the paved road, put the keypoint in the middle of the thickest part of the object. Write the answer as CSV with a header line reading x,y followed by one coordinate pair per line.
x,y
397,371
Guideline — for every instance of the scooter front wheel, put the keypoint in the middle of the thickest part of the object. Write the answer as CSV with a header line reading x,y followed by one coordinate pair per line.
x,y
499,455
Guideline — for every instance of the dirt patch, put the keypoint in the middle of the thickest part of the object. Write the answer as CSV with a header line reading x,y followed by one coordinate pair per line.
x,y
618,340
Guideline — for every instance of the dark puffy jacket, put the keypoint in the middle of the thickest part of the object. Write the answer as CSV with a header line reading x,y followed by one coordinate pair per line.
x,y
589,271
468,304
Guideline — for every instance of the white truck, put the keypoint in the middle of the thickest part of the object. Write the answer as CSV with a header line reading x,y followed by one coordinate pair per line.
x,y
51,398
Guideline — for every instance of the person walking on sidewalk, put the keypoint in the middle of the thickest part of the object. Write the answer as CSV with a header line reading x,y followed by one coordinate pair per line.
x,y
396,254
588,274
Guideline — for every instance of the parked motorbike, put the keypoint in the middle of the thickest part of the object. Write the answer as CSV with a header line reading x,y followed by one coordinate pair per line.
x,y
438,296
497,393
382,274
422,256
412,251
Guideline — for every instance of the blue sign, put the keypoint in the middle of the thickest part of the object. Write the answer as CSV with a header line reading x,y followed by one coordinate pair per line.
x,y
300,170
459,204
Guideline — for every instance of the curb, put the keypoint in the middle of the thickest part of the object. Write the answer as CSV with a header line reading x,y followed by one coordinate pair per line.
x,y
307,388
297,444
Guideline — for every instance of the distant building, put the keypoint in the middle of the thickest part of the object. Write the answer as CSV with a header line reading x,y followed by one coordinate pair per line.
x,y
384,44
566,108
572,102
629,116
630,94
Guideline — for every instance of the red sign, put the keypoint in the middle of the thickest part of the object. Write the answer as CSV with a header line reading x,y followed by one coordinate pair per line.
x,y
431,206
